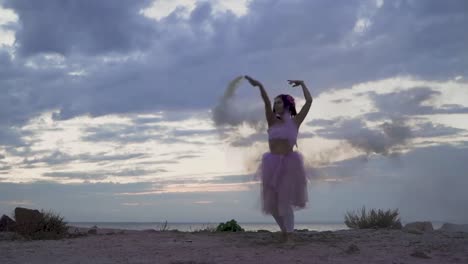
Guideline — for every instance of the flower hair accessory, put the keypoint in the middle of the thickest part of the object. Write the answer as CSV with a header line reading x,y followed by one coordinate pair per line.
x,y
290,99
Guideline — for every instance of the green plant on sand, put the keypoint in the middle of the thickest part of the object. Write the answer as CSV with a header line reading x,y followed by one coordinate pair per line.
x,y
229,226
373,219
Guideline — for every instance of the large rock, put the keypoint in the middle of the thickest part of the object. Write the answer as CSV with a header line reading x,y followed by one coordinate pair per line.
x,y
7,224
27,221
418,227
453,228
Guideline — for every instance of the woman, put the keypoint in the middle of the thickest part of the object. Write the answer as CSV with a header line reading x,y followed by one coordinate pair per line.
x,y
284,183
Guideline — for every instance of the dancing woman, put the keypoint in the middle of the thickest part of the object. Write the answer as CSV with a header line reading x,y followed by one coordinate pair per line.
x,y
284,182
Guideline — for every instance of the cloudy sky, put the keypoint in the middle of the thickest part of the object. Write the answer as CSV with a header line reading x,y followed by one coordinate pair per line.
x,y
107,107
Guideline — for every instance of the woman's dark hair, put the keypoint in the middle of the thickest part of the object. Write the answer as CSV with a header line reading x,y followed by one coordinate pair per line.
x,y
288,102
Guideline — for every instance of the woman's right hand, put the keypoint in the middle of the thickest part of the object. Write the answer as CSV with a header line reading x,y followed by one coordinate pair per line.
x,y
252,81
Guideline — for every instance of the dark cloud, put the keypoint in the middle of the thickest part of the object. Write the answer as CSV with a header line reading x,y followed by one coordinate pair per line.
x,y
429,129
174,158
4,167
193,132
10,137
61,158
121,133
323,122
101,175
63,27
341,100
386,138
412,38
80,175
147,120
230,179
144,71
380,140
413,101
137,133
186,156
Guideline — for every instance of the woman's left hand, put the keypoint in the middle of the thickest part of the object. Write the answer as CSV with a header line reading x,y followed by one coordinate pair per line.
x,y
295,83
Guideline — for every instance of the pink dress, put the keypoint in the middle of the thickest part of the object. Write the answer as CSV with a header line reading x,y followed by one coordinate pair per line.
x,y
284,182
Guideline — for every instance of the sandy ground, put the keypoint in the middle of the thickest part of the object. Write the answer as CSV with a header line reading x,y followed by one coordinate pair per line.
x,y
346,246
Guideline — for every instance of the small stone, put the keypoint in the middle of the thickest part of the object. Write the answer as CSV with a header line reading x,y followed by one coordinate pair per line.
x,y
352,249
420,254
92,231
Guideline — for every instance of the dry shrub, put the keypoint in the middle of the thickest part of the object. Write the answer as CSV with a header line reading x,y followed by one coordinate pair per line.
x,y
373,219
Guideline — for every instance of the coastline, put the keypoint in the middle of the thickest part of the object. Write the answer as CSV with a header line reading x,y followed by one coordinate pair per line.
x,y
173,247
194,226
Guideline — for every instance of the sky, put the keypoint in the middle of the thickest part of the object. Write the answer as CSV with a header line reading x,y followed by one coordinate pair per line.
x,y
116,110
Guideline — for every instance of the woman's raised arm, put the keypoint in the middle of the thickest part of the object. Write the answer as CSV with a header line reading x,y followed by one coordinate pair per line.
x,y
305,109
270,116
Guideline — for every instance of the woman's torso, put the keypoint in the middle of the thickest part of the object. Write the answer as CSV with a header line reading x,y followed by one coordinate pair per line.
x,y
282,136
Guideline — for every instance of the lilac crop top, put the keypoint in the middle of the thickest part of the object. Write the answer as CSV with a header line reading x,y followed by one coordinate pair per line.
x,y
287,130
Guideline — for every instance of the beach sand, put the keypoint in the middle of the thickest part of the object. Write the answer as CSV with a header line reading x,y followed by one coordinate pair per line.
x,y
150,246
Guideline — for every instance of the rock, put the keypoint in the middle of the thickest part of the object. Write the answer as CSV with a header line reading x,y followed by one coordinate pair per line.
x,y
417,227
453,228
92,231
352,249
27,221
7,224
417,253
263,231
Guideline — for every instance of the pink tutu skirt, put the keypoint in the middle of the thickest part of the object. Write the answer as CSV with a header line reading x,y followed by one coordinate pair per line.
x,y
284,182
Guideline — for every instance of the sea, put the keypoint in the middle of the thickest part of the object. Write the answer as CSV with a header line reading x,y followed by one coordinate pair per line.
x,y
191,227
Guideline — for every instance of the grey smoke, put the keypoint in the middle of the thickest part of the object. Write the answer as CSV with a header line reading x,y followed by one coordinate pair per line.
x,y
383,139
231,112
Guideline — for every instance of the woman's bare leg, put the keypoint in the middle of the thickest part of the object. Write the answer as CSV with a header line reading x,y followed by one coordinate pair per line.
x,y
278,218
279,221
288,220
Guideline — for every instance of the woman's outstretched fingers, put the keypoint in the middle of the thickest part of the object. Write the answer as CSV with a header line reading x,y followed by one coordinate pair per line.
x,y
295,83
252,81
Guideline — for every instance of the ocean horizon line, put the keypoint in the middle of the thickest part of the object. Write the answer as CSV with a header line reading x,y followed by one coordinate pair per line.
x,y
201,222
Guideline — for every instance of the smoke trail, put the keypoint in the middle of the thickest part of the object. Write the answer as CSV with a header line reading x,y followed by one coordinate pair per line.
x,y
232,87
222,113
231,116
230,113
